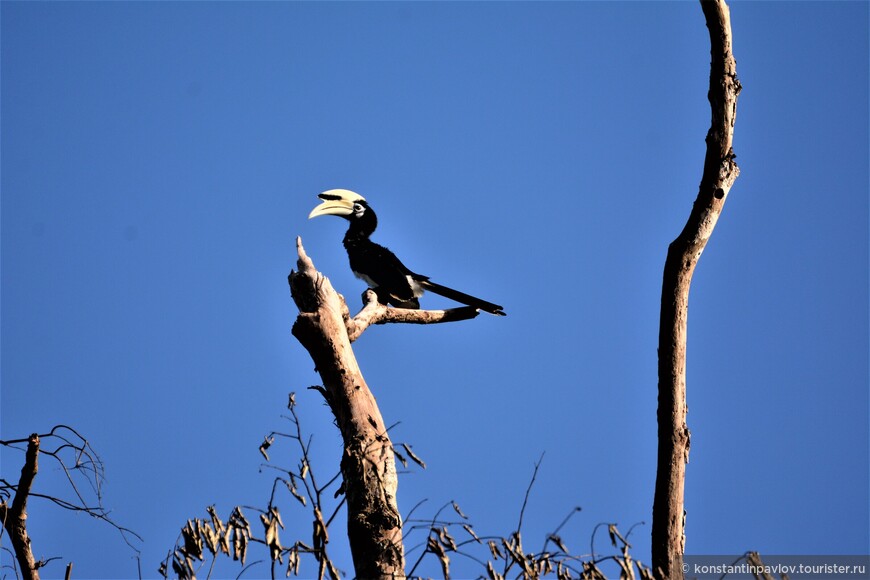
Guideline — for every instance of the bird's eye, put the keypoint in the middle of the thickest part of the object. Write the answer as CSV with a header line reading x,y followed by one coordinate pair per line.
x,y
357,208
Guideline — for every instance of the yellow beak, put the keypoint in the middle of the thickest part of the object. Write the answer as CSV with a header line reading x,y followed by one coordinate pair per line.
x,y
338,202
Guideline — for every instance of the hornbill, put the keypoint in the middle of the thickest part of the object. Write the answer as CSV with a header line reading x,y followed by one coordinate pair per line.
x,y
391,280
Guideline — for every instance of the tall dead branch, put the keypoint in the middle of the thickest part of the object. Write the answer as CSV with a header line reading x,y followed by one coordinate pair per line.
x,y
720,172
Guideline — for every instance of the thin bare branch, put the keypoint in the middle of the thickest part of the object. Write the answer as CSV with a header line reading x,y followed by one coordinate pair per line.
x,y
529,491
555,533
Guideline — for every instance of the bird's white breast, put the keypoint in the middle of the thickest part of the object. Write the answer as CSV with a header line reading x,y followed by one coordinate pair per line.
x,y
365,279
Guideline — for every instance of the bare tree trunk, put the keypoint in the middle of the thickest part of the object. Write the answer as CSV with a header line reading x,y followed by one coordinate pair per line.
x,y
368,464
15,516
720,172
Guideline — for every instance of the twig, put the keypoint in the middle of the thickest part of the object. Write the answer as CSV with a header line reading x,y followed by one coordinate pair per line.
x,y
432,523
245,569
592,538
555,532
528,491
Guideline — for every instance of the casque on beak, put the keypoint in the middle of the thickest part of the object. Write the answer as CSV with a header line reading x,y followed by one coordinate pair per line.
x,y
338,202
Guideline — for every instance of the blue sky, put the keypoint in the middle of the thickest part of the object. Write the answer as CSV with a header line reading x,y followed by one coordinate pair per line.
x,y
158,160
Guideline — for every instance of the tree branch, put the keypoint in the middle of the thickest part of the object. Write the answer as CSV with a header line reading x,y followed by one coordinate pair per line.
x,y
720,172
374,312
15,516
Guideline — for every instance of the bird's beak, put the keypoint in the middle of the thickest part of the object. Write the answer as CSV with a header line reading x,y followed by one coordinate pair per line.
x,y
339,207
338,202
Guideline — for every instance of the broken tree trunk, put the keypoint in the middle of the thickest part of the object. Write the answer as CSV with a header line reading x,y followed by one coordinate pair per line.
x,y
720,172
368,467
326,330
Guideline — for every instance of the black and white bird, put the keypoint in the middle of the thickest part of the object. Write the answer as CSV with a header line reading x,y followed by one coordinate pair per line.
x,y
393,282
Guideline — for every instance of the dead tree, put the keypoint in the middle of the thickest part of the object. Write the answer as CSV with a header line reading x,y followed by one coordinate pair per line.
x,y
78,461
720,172
326,329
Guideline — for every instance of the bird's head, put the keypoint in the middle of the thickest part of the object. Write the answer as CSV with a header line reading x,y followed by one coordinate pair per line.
x,y
341,202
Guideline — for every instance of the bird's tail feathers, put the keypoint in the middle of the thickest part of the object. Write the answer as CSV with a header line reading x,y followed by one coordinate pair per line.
x,y
462,297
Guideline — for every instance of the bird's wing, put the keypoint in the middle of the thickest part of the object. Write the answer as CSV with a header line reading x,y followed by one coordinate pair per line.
x,y
381,268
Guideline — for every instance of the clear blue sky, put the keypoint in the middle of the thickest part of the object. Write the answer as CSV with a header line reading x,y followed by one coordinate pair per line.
x,y
158,160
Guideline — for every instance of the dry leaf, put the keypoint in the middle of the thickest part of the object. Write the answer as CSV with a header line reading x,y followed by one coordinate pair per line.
x,y
471,533
267,442
413,457
438,550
